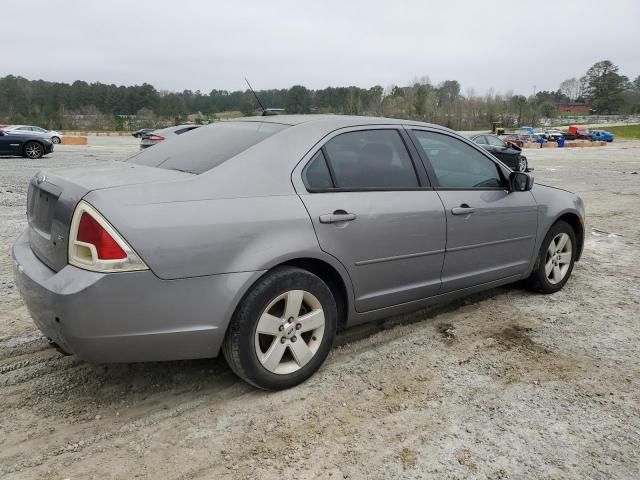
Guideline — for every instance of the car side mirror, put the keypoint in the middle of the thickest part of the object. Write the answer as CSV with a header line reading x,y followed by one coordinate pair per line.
x,y
520,182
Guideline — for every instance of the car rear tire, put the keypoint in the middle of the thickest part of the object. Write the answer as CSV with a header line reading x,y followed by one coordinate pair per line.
x,y
55,140
283,329
555,260
33,150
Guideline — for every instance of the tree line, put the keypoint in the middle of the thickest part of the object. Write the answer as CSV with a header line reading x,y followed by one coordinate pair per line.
x,y
62,105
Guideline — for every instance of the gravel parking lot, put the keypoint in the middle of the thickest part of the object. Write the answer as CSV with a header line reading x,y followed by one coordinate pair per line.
x,y
506,384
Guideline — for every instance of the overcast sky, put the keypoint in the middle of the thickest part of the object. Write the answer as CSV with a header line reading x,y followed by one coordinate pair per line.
x,y
198,44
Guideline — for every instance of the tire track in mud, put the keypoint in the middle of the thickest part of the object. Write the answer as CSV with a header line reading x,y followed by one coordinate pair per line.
x,y
232,389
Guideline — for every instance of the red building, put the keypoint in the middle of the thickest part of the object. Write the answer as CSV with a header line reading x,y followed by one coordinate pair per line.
x,y
565,108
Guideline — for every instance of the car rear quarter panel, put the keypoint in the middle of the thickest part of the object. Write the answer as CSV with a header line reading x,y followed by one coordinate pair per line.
x,y
213,236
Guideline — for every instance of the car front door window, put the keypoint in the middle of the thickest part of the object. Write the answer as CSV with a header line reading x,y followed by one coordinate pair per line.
x,y
458,165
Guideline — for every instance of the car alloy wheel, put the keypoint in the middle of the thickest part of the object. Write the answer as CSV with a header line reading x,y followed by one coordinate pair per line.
x,y
282,330
55,140
558,258
289,332
522,164
33,150
555,260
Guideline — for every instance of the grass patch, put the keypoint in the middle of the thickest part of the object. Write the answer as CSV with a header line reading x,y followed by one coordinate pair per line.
x,y
625,131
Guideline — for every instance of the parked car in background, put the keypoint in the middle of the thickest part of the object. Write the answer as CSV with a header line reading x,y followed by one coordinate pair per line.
x,y
156,136
577,132
24,144
602,135
260,237
513,139
52,135
552,135
508,153
141,132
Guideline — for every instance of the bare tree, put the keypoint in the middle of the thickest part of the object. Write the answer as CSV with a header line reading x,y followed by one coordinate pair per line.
x,y
572,88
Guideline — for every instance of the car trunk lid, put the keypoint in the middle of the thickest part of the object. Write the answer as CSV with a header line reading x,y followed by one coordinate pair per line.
x,y
52,198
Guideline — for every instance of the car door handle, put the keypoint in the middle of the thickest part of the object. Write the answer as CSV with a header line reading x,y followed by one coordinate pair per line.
x,y
337,216
463,209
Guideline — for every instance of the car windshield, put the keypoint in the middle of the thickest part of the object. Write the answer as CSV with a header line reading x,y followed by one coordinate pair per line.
x,y
206,147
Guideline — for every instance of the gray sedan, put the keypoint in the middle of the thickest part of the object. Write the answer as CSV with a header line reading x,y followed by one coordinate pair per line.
x,y
262,237
51,135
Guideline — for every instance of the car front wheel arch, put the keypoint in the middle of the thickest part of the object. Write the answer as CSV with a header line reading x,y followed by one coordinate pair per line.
x,y
555,259
578,228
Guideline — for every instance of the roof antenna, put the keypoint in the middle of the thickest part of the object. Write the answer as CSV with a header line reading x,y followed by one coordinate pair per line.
x,y
264,110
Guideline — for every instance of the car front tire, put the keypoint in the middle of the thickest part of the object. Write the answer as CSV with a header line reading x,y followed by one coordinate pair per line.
x,y
33,150
555,260
55,140
283,329
523,165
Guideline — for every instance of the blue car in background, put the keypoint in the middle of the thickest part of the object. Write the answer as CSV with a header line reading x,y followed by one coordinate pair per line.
x,y
601,135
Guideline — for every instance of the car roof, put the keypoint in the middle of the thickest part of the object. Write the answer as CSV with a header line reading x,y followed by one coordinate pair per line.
x,y
336,121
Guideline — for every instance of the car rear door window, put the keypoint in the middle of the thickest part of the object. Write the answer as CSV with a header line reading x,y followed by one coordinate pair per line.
x,y
316,175
482,140
371,159
457,164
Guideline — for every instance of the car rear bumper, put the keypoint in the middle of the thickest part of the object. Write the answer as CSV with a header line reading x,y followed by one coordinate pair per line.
x,y
127,317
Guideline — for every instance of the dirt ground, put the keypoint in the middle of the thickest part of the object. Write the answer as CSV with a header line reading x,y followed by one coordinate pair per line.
x,y
506,384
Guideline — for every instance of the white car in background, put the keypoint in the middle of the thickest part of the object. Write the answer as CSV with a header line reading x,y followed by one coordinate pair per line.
x,y
54,136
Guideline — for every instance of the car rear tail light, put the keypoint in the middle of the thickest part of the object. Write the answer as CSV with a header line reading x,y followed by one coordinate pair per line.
x,y
155,138
95,245
91,232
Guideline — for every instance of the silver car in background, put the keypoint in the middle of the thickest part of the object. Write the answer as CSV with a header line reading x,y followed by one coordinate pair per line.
x,y
262,237
52,135
151,138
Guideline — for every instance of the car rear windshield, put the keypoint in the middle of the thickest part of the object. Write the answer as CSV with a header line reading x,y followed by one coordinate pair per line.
x,y
204,148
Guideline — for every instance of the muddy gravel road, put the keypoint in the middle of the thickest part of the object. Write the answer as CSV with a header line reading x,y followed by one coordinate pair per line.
x,y
506,384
